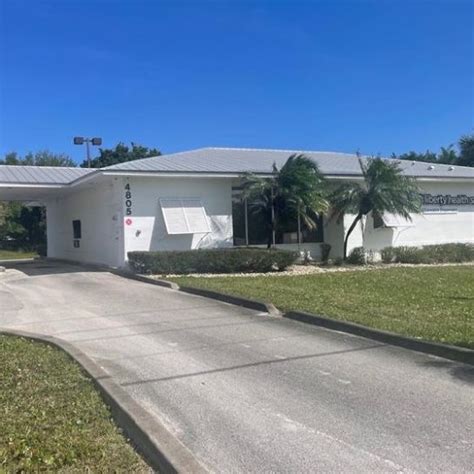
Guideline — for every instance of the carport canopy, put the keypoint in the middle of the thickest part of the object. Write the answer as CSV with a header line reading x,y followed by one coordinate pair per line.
x,y
37,183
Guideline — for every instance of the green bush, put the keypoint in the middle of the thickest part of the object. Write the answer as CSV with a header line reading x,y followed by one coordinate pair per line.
x,y
325,250
409,255
357,256
442,253
230,260
387,254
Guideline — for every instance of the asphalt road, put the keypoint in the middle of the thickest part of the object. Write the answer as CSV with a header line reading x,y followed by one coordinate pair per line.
x,y
251,393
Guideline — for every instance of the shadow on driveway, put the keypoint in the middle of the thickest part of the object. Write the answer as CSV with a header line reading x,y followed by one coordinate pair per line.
x,y
462,372
246,366
42,267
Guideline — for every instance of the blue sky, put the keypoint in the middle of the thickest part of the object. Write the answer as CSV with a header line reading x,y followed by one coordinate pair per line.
x,y
378,76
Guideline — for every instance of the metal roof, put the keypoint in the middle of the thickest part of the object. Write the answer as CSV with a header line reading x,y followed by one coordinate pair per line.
x,y
42,175
239,160
217,161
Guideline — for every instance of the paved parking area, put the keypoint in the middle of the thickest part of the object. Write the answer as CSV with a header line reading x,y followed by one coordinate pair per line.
x,y
251,393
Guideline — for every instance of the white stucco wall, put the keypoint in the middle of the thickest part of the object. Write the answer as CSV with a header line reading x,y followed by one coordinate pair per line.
x,y
433,226
144,228
108,233
98,208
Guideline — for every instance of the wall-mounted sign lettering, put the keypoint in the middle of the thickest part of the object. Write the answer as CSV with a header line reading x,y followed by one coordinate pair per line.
x,y
447,200
128,200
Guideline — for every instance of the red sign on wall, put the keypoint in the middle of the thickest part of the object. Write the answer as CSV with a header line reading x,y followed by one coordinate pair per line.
x,y
128,221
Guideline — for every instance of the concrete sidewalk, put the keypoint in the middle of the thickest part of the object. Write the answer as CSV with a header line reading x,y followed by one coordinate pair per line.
x,y
246,392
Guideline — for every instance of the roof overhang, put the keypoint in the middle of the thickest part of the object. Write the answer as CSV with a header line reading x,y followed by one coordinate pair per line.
x,y
28,192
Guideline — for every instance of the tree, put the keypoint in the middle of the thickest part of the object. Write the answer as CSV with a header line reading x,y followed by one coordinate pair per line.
x,y
466,146
384,189
447,155
296,190
40,158
428,156
120,154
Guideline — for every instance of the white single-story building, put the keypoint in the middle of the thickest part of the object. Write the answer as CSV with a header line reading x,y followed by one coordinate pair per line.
x,y
190,200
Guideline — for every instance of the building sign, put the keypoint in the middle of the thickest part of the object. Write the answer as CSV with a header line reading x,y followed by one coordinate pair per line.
x,y
447,200
128,200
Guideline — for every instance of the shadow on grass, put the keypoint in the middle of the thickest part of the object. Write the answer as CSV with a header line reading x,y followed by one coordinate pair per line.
x,y
456,298
462,372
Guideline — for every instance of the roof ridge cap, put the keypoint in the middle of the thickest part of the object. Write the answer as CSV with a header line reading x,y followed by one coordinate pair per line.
x,y
276,149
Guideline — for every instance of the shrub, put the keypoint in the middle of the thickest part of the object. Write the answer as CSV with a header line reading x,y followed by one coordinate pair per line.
x,y
409,255
338,261
387,254
325,250
442,253
230,260
357,256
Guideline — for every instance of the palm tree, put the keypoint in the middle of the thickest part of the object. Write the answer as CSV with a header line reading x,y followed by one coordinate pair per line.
x,y
385,189
296,190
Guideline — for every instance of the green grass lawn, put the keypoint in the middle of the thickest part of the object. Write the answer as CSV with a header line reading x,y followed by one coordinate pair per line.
x,y
432,303
13,254
52,418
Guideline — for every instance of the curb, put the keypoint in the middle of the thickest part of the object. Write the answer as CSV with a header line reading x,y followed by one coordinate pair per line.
x,y
215,295
441,350
458,354
235,300
133,276
17,261
161,449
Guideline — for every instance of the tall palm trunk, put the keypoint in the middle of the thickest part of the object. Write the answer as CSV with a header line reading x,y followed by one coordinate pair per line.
x,y
351,228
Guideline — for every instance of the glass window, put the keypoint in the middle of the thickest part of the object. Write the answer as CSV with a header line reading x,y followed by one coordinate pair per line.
x,y
378,221
259,225
238,218
76,229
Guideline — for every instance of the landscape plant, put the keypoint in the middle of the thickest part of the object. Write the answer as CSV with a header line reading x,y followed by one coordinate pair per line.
x,y
384,189
297,190
429,254
230,260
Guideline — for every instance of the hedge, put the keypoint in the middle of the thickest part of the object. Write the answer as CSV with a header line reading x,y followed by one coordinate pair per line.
x,y
442,253
357,256
230,260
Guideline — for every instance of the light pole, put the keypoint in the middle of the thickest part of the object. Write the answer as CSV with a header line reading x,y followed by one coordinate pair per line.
x,y
81,140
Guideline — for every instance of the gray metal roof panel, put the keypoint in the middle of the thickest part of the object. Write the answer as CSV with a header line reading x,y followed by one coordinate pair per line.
x,y
41,174
223,160
239,160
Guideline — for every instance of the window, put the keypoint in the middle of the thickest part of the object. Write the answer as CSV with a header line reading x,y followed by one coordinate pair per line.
x,y
378,221
76,229
184,216
251,227
390,220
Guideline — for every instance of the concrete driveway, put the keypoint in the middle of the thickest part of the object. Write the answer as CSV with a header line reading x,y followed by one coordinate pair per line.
x,y
247,392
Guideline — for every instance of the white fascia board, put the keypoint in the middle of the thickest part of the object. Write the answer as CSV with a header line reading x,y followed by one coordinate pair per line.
x,y
172,174
454,179
32,185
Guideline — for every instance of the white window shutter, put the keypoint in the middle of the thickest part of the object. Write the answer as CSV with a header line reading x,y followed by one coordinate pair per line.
x,y
184,216
173,214
196,216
